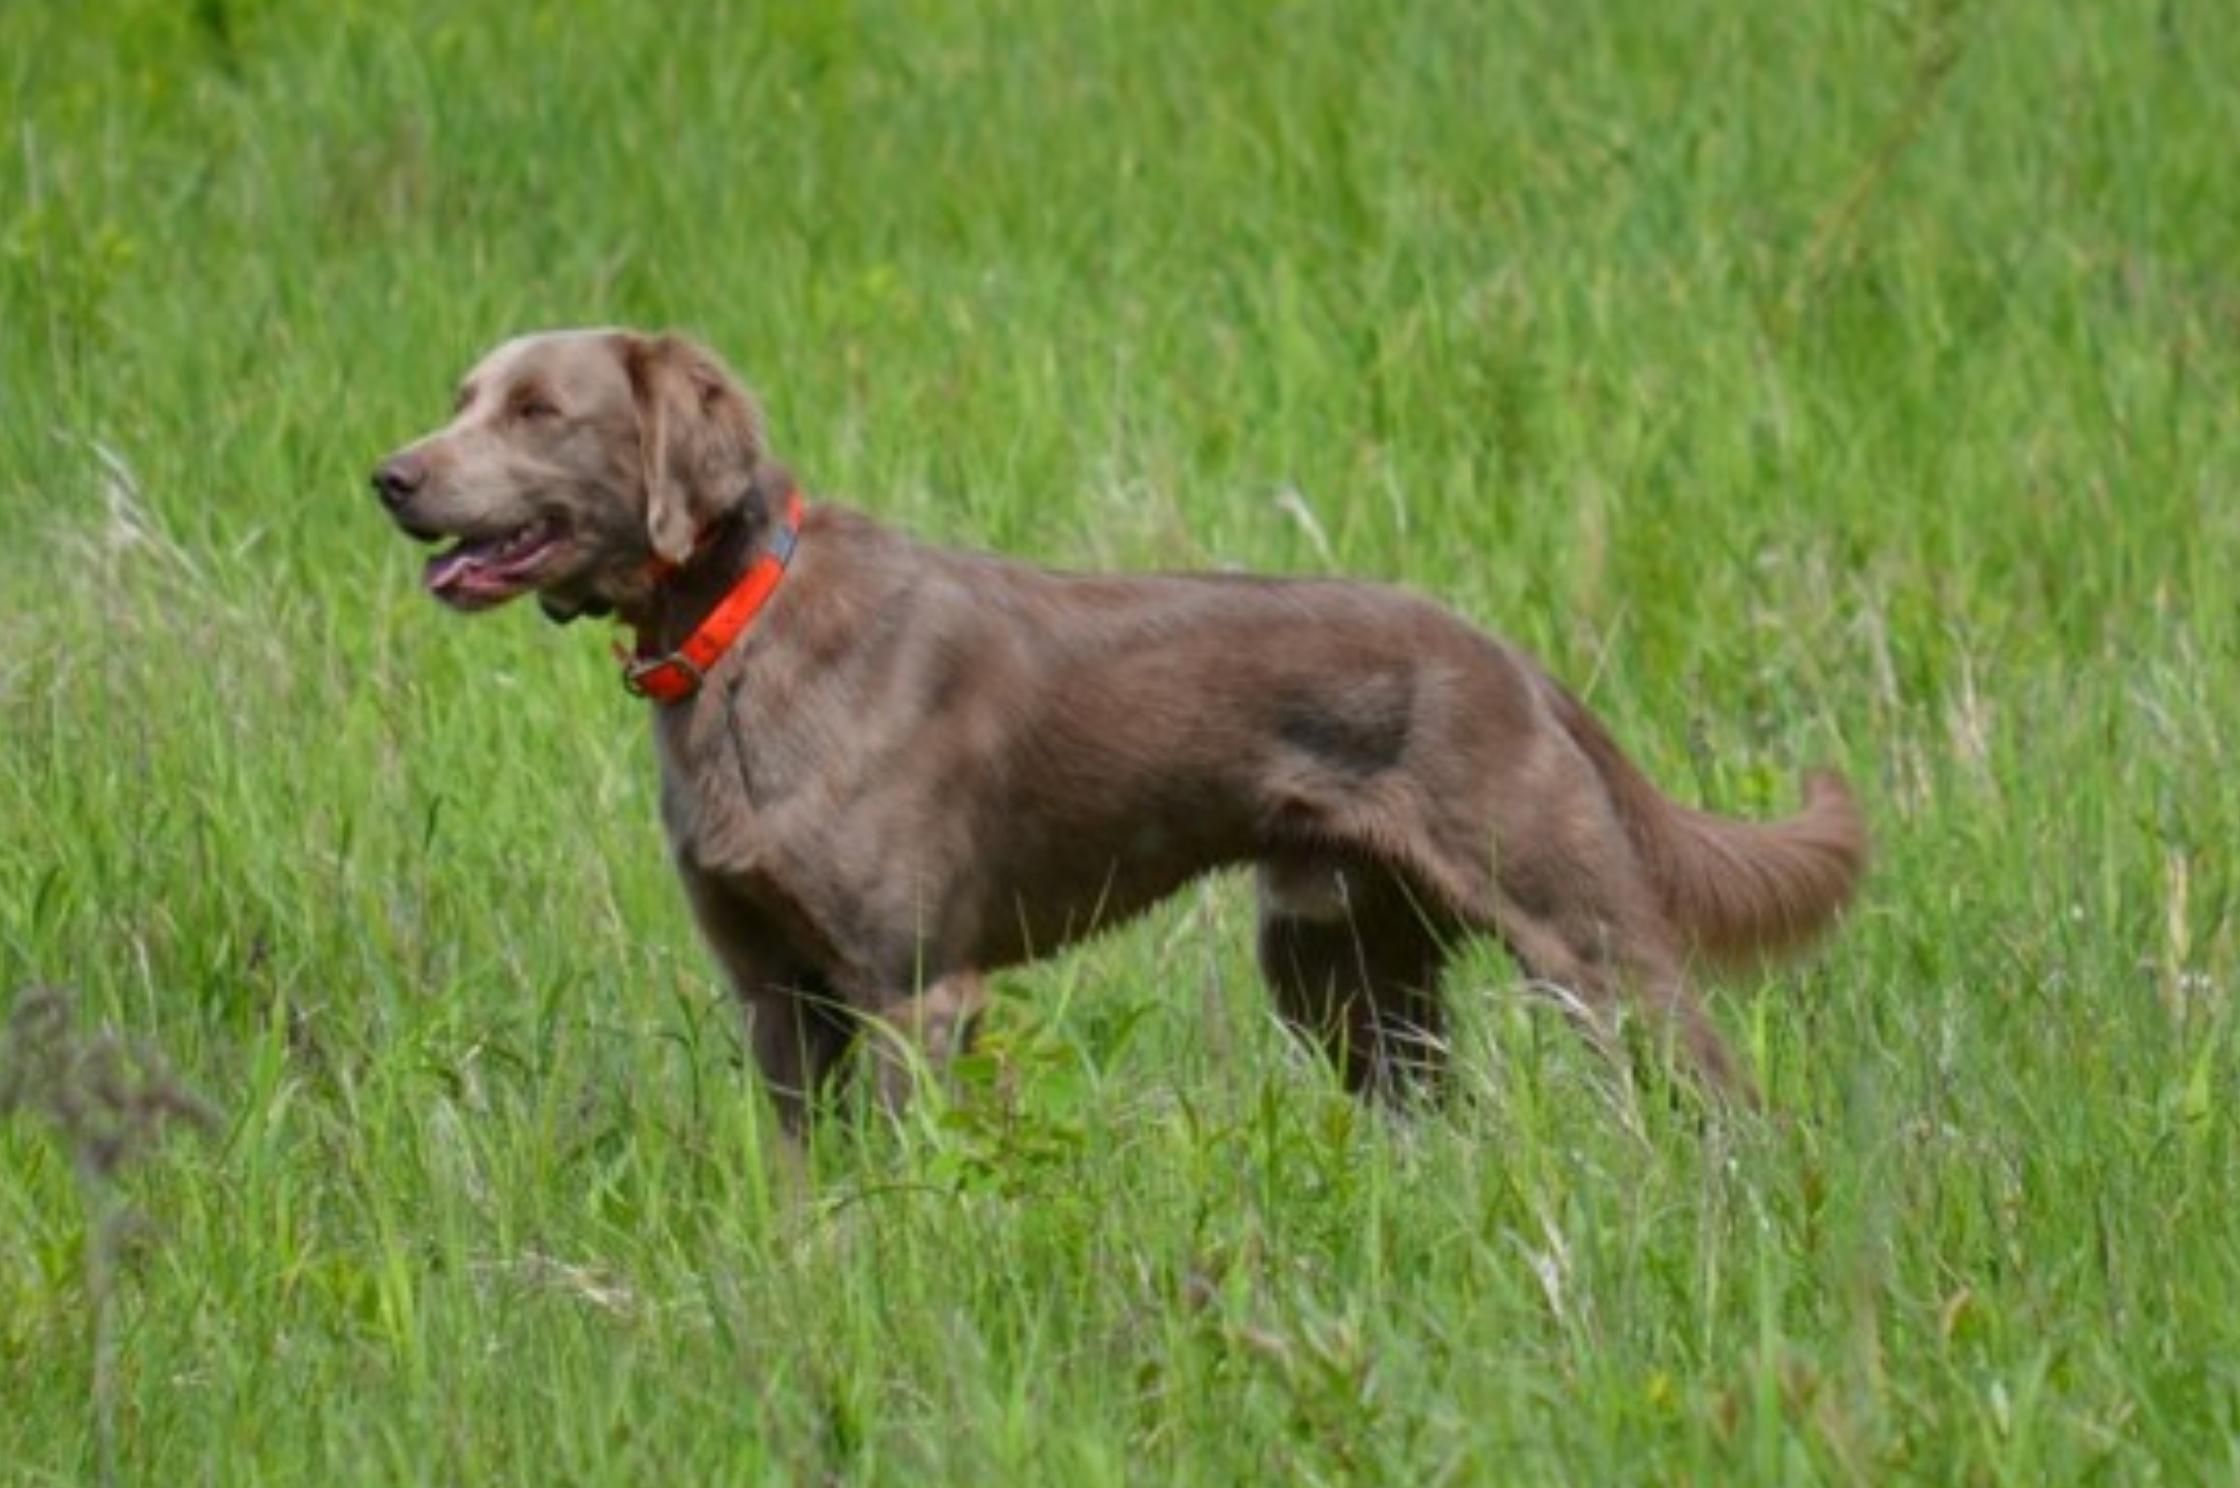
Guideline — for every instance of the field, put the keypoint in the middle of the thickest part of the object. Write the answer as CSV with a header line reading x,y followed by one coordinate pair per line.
x,y
1854,384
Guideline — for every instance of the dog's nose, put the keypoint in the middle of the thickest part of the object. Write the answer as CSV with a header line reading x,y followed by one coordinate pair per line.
x,y
395,481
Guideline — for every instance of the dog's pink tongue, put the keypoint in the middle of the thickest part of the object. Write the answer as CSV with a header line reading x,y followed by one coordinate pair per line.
x,y
445,571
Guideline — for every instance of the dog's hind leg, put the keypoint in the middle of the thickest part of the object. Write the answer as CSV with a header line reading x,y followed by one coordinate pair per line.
x,y
1574,911
1354,964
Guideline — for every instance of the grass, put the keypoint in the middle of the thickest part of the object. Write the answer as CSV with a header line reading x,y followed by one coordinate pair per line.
x,y
1807,382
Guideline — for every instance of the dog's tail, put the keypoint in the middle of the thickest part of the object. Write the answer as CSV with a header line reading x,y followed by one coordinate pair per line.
x,y
1738,890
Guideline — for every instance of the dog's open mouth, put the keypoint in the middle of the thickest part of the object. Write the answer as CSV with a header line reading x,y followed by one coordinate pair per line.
x,y
479,573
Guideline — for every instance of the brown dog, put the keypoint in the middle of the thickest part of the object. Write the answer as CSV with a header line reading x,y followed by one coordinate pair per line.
x,y
906,766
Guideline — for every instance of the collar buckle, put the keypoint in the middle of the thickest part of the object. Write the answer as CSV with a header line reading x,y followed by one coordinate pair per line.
x,y
651,677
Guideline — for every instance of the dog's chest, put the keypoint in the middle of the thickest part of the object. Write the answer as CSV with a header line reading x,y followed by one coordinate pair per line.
x,y
737,794
766,818
709,792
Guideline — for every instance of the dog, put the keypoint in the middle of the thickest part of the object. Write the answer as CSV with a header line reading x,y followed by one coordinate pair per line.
x,y
889,769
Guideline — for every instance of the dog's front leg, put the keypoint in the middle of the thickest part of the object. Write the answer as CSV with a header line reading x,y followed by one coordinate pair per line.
x,y
908,1038
796,1028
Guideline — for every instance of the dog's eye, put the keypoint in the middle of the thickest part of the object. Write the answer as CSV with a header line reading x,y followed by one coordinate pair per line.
x,y
535,410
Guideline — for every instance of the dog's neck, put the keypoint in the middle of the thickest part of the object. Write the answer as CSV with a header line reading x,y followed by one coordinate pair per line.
x,y
680,601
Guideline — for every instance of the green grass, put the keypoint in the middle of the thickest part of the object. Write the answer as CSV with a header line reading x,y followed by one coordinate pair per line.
x,y
1807,382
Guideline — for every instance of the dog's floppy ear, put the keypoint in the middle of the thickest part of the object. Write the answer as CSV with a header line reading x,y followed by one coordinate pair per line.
x,y
699,439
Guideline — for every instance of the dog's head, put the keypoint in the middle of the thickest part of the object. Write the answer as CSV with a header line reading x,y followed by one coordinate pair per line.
x,y
573,461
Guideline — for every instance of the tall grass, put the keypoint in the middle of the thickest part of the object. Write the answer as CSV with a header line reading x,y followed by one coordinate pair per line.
x,y
1805,382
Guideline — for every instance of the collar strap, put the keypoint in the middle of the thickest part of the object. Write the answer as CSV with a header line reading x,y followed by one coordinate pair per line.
x,y
676,676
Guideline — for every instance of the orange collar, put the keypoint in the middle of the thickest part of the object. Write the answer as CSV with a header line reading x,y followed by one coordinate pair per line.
x,y
676,676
